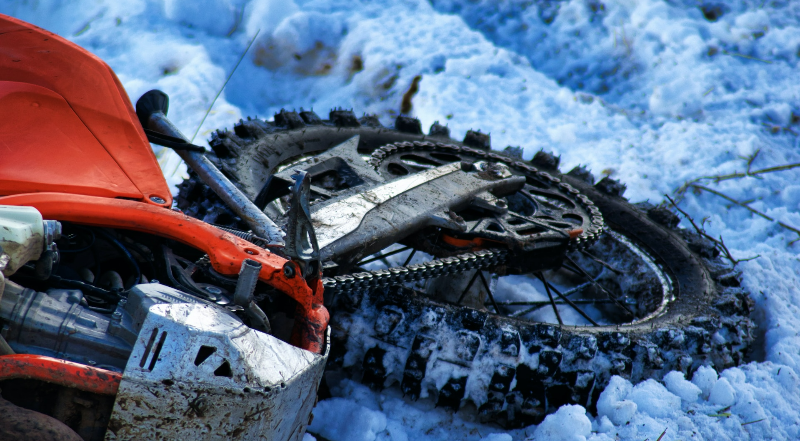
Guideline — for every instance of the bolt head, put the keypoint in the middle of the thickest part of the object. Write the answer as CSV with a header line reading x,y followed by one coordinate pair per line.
x,y
213,290
158,200
199,405
288,270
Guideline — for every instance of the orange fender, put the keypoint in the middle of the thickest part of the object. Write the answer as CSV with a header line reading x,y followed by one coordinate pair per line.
x,y
66,109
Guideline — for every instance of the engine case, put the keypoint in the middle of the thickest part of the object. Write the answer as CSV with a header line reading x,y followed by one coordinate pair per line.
x,y
190,368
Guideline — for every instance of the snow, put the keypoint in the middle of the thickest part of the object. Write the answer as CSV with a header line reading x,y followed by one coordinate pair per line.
x,y
345,419
569,423
650,92
678,385
613,404
705,378
722,394
653,399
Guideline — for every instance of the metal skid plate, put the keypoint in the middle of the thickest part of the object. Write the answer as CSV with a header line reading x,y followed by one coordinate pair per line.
x,y
197,373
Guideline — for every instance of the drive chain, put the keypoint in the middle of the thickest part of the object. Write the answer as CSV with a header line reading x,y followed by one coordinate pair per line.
x,y
482,259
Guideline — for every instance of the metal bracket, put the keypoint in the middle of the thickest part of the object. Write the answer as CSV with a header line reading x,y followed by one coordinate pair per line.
x,y
301,241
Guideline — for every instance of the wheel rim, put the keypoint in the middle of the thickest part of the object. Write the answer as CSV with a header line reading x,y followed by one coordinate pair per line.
x,y
627,272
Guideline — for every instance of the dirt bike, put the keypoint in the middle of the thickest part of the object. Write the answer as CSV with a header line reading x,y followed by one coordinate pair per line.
x,y
463,275
121,317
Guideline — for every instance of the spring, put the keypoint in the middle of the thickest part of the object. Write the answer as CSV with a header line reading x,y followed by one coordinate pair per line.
x,y
246,235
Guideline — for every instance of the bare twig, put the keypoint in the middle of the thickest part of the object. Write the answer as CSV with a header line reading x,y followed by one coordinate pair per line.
x,y
721,415
746,259
749,208
720,244
695,185
750,159
752,173
625,40
685,214
736,175
746,57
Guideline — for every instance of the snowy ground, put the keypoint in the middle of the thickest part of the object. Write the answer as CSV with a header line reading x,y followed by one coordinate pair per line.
x,y
654,93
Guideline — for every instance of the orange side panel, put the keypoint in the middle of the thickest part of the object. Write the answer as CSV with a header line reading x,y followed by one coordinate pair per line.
x,y
225,251
45,146
65,373
32,55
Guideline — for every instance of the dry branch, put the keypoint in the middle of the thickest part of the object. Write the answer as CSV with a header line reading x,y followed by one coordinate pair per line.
x,y
695,185
719,243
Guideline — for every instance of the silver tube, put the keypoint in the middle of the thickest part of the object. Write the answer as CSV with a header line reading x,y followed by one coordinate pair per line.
x,y
248,278
262,225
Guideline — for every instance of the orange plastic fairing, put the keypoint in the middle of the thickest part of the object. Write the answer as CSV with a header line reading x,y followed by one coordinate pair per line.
x,y
40,120
65,373
49,86
225,250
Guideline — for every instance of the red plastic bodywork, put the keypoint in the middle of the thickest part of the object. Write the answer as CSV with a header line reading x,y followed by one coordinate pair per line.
x,y
62,372
72,147
46,121
108,156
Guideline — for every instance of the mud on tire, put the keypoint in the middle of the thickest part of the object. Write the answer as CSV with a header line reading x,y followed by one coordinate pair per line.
x,y
514,371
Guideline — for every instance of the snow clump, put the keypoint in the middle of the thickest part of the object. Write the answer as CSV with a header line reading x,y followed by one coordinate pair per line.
x,y
569,423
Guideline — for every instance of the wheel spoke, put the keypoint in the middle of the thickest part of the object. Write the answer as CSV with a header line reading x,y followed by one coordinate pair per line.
x,y
566,293
577,269
541,303
548,286
489,290
410,256
549,294
527,311
614,270
469,285
383,256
